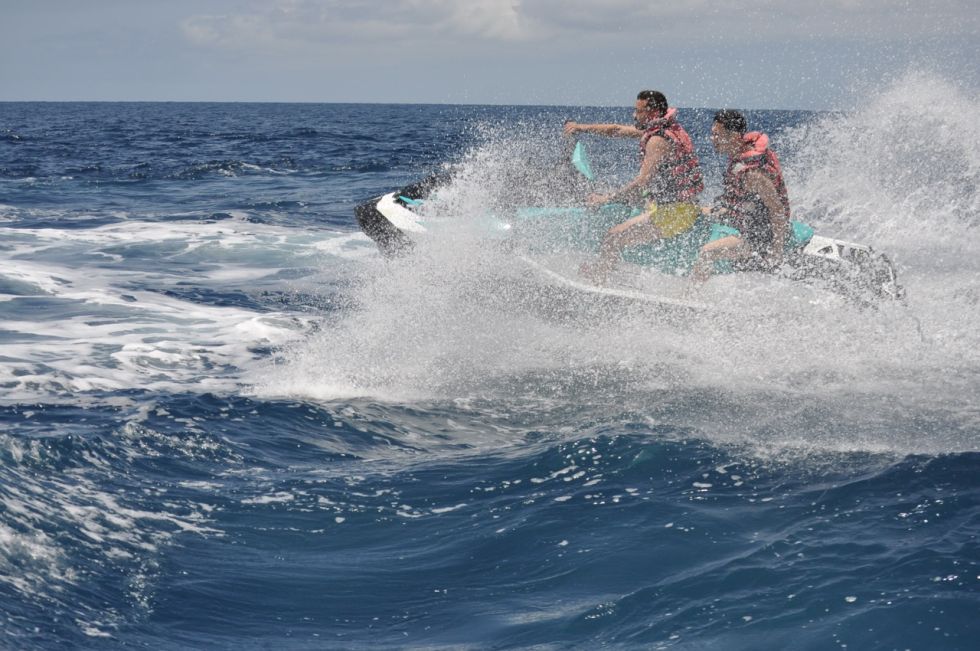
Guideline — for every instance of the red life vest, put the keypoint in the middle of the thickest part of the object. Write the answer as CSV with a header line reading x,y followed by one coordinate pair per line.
x,y
745,209
679,176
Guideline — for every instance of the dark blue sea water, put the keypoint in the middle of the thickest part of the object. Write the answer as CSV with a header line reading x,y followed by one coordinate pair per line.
x,y
226,422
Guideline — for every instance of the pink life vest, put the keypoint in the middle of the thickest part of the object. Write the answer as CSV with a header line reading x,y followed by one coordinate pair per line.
x,y
679,178
745,208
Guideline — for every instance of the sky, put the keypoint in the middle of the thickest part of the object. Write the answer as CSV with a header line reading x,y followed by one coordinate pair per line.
x,y
780,54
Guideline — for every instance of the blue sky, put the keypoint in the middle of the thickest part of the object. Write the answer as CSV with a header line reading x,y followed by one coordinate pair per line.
x,y
741,53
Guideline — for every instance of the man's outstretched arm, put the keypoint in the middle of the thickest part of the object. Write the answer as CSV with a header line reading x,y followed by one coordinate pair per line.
x,y
655,151
611,130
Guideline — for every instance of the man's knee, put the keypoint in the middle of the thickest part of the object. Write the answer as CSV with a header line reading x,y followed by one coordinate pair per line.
x,y
616,236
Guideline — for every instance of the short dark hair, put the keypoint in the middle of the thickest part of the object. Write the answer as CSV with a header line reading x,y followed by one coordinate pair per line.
x,y
731,120
654,99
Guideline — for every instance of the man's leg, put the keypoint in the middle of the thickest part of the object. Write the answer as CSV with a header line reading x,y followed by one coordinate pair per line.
x,y
637,230
727,248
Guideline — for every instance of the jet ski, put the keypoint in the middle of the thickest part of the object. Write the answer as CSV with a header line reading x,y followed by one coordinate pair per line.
x,y
398,219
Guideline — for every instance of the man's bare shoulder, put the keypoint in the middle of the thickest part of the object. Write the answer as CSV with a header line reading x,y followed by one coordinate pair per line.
x,y
657,145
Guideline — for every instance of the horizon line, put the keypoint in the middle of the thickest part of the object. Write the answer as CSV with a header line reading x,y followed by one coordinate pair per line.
x,y
374,103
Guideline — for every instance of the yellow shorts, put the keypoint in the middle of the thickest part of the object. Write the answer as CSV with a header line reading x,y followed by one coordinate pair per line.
x,y
672,218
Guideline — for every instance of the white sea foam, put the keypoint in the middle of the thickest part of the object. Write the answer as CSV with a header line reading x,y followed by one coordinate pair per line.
x,y
113,318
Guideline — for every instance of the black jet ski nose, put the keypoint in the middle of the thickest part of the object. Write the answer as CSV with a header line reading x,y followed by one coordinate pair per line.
x,y
390,240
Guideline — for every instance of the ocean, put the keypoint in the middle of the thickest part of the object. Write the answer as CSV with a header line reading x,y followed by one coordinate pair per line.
x,y
227,422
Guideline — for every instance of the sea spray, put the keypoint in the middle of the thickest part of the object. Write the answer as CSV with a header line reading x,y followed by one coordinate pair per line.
x,y
900,171
451,321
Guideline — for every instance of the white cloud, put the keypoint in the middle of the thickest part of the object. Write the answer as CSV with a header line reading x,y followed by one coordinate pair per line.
x,y
753,19
499,19
322,23
326,22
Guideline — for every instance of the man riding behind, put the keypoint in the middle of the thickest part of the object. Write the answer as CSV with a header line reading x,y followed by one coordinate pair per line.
x,y
666,187
754,200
